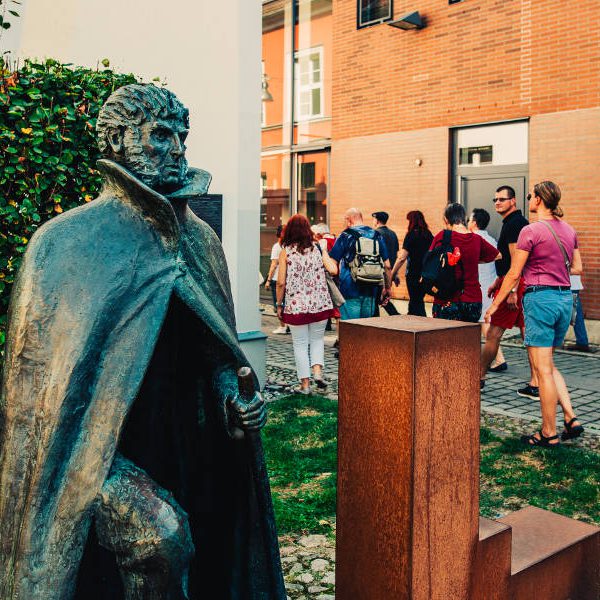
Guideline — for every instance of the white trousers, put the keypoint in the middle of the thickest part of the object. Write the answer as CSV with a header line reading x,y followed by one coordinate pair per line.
x,y
308,341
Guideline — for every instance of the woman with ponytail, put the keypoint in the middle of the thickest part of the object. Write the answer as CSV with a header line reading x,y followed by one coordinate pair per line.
x,y
547,253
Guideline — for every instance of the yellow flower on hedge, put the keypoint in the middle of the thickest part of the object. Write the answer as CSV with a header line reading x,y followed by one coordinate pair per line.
x,y
58,208
26,130
24,240
12,203
87,197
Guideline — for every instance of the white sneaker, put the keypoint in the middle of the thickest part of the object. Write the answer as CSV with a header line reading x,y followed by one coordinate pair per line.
x,y
300,390
280,331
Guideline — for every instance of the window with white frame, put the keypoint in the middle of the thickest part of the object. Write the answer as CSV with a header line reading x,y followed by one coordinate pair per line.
x,y
372,12
309,83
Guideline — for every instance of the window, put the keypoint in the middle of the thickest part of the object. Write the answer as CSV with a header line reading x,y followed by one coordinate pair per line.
x,y
476,155
309,84
373,12
307,175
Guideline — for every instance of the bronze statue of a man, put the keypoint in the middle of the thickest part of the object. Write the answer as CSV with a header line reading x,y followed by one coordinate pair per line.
x,y
120,415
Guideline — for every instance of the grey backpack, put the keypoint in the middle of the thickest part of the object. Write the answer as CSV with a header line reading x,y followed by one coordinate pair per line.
x,y
366,267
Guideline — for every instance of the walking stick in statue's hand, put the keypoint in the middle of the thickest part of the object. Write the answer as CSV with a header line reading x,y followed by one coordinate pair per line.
x,y
263,490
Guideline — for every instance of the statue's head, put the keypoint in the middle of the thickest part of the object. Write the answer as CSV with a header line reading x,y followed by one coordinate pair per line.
x,y
143,128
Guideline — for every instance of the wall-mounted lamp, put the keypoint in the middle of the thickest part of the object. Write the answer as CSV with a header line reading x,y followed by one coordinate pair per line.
x,y
411,20
266,95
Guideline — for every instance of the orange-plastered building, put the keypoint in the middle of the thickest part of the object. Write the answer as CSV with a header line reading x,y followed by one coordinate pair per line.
x,y
484,93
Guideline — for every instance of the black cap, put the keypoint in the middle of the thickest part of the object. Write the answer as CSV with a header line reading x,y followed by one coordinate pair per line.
x,y
381,216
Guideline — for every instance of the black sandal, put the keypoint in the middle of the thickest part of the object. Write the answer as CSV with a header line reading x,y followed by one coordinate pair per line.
x,y
571,431
543,442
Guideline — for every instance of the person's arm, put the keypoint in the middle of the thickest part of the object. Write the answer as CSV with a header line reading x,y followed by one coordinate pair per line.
x,y
272,268
331,266
576,263
281,282
387,282
383,250
511,281
512,296
399,262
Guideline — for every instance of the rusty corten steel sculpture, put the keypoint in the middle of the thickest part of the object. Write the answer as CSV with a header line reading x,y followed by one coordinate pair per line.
x,y
123,467
408,526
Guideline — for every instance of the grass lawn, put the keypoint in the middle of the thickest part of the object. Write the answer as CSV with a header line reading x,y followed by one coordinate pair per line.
x,y
300,444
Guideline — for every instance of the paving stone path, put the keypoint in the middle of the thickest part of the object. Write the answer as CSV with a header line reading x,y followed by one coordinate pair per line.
x,y
581,372
309,567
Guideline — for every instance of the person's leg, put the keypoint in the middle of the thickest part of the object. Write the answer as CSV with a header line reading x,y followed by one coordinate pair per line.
x,y
148,532
533,378
369,306
581,336
351,309
300,344
416,306
544,366
490,348
316,334
499,358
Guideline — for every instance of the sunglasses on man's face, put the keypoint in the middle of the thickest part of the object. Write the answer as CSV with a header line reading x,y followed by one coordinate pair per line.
x,y
494,200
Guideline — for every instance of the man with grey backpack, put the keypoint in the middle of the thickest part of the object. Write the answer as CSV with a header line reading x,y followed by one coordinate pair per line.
x,y
362,256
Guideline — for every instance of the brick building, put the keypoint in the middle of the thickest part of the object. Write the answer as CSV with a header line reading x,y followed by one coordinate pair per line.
x,y
486,93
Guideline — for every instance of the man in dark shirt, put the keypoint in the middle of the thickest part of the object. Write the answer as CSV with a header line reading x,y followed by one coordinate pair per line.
x,y
380,219
361,300
510,312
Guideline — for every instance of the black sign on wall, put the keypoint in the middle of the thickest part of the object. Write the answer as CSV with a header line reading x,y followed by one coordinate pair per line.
x,y
210,209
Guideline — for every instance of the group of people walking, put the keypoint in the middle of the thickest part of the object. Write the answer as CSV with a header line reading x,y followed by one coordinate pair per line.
x,y
526,279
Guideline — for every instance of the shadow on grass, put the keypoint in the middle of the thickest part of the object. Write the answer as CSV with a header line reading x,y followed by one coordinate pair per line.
x,y
301,448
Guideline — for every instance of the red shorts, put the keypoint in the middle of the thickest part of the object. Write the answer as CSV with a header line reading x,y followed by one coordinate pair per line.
x,y
506,317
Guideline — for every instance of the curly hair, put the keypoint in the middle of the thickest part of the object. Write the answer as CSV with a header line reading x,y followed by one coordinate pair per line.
x,y
297,232
133,104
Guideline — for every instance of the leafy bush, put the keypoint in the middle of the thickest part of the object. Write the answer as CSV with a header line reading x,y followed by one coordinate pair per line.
x,y
48,151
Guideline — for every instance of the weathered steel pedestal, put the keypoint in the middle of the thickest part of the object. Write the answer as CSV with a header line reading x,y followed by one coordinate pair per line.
x,y
408,485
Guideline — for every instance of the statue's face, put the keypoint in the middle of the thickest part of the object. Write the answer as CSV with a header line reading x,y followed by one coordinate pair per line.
x,y
155,153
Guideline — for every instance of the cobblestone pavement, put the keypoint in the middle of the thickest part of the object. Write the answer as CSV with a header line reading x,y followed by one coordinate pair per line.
x,y
581,372
309,561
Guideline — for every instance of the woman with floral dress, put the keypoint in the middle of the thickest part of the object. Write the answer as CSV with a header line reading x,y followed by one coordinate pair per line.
x,y
303,300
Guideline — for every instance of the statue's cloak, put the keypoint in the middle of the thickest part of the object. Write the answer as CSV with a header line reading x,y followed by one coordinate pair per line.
x,y
87,309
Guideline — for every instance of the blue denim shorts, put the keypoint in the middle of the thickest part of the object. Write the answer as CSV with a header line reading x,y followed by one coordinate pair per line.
x,y
547,317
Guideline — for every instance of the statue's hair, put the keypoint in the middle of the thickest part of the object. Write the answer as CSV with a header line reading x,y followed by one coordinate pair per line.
x,y
132,105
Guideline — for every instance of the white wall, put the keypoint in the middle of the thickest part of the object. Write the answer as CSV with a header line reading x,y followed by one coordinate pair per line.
x,y
209,54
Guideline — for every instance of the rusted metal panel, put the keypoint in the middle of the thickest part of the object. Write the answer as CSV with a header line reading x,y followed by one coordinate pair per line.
x,y
491,571
408,480
397,535
553,557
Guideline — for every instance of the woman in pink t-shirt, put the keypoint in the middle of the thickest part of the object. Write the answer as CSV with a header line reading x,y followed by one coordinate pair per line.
x,y
547,304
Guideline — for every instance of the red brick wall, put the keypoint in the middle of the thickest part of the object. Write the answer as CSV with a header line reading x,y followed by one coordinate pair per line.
x,y
565,148
396,93
476,61
380,173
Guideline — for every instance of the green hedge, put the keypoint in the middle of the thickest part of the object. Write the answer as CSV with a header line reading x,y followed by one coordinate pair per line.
x,y
48,152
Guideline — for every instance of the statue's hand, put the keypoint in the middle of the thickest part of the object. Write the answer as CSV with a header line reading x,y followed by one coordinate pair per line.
x,y
246,416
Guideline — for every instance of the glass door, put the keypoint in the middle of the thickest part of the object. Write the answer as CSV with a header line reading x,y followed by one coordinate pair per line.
x,y
312,183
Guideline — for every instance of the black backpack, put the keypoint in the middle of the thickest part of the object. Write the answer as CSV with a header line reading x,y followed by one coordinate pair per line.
x,y
438,277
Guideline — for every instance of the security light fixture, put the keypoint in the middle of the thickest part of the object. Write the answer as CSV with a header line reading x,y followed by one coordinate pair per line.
x,y
411,20
266,95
